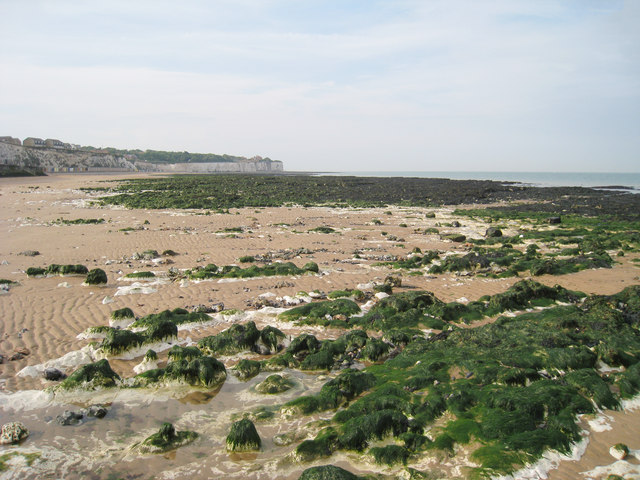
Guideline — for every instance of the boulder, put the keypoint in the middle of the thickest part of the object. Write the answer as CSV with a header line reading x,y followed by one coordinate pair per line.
x,y
554,220
166,439
327,472
69,418
243,437
619,451
13,432
97,411
53,374
274,384
493,232
246,369
96,276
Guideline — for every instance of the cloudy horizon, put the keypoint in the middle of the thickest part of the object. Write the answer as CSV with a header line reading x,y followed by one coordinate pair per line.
x,y
342,85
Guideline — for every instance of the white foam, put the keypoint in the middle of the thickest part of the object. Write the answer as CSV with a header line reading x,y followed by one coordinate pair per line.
x,y
601,423
549,461
620,467
632,404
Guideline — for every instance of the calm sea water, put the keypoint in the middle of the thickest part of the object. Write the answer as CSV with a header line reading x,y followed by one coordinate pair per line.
x,y
538,179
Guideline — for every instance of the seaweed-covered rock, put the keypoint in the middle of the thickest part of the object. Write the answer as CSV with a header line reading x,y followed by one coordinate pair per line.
x,y
122,313
119,341
165,439
13,432
311,267
619,451
202,372
96,276
454,237
161,330
243,437
327,472
35,271
274,384
235,339
320,360
271,338
92,376
493,232
183,353
246,369
390,454
304,343
375,349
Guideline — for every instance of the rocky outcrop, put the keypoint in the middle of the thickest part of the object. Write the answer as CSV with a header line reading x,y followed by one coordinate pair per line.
x,y
61,160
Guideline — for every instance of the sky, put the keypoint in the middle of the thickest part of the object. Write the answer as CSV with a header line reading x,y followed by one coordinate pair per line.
x,y
333,85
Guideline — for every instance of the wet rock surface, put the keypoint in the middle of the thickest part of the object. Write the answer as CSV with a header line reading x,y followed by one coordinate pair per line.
x,y
69,418
13,432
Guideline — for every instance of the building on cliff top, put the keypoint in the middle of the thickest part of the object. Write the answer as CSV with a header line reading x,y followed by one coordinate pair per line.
x,y
34,142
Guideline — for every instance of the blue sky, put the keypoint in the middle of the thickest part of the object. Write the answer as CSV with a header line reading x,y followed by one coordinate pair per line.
x,y
497,85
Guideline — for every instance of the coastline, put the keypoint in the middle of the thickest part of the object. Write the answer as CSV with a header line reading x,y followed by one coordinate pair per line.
x,y
31,206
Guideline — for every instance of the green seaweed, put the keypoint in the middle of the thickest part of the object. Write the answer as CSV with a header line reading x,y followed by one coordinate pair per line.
x,y
96,276
166,439
274,384
91,376
235,339
246,369
202,371
243,437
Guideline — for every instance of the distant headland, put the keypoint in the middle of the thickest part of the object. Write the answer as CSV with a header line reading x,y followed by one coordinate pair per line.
x,y
37,156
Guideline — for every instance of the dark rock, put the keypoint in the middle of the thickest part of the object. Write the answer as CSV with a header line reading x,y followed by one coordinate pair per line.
x,y
493,232
455,223
327,472
97,411
261,349
554,220
69,418
54,374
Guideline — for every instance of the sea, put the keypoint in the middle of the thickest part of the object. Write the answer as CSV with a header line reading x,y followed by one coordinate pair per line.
x,y
610,181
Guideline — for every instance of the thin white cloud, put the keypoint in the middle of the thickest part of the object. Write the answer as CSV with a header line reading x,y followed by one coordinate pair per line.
x,y
475,85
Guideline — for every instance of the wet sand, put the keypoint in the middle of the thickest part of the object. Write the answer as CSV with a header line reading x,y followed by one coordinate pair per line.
x,y
45,315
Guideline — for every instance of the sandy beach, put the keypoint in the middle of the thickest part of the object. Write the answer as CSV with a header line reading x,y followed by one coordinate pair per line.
x,y
43,317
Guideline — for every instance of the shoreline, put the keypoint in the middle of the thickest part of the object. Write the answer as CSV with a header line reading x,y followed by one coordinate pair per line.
x,y
27,217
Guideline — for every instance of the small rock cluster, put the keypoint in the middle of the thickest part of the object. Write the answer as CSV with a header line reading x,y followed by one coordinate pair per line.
x,y
69,417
